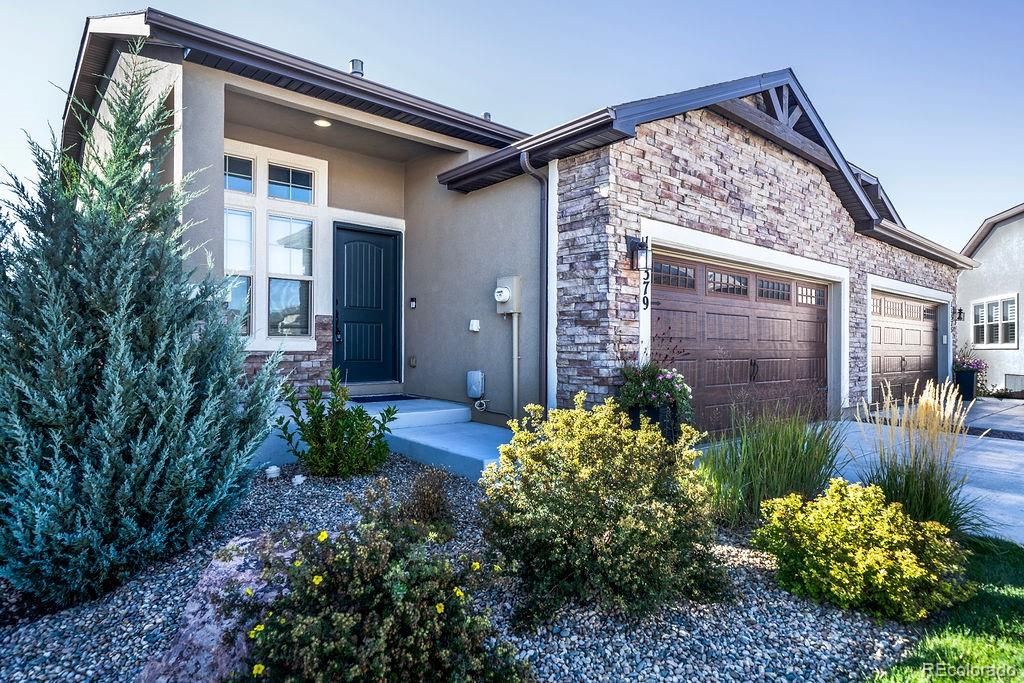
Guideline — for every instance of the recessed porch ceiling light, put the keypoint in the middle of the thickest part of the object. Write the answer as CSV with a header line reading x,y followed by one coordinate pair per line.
x,y
323,123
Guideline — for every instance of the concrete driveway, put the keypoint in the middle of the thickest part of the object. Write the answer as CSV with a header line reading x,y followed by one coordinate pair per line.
x,y
994,466
1004,417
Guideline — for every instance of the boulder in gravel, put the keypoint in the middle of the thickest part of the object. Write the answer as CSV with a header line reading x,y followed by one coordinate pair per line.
x,y
199,650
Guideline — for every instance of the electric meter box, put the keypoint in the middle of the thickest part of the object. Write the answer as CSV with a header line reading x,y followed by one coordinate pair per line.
x,y
508,294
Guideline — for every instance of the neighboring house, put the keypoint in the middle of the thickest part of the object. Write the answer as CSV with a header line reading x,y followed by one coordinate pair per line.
x,y
990,297
719,230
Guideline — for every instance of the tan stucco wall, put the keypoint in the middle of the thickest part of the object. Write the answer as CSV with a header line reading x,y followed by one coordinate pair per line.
x,y
201,138
457,245
355,182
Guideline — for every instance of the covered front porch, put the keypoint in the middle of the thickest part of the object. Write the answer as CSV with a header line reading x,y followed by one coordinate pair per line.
x,y
348,254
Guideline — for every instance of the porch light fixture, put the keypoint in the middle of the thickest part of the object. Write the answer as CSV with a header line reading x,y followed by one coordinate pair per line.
x,y
323,123
958,315
639,254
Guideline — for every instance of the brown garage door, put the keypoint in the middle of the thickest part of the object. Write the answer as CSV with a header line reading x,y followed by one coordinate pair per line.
x,y
745,340
903,343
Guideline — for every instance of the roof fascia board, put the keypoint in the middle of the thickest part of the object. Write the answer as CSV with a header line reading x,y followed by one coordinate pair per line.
x,y
129,25
628,116
888,231
189,34
546,142
987,226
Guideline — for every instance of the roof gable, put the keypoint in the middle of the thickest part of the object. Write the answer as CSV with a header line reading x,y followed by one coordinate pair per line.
x,y
785,116
987,226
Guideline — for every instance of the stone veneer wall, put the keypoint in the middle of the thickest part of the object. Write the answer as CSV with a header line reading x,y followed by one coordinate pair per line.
x,y
700,171
304,369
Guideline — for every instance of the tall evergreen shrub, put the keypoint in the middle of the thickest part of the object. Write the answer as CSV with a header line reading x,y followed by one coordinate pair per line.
x,y
126,424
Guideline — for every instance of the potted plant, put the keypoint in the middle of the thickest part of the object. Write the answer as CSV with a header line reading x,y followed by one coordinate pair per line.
x,y
659,393
966,368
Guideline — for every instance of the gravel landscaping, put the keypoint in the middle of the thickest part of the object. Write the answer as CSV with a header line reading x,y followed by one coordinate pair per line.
x,y
762,632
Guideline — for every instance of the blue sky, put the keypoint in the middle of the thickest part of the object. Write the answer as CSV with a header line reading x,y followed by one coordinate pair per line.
x,y
926,95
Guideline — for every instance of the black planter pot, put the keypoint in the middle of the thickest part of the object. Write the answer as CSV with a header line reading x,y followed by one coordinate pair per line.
x,y
663,416
966,383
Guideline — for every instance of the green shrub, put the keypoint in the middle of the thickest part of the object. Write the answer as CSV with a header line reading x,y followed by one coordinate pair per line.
x,y
331,438
769,456
851,548
585,508
126,421
428,506
916,439
369,604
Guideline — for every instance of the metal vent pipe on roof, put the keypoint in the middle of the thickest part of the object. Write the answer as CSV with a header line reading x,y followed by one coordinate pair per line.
x,y
356,68
487,116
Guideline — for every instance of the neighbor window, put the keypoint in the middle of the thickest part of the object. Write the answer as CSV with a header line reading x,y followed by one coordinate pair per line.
x,y
290,183
237,174
290,265
238,263
994,322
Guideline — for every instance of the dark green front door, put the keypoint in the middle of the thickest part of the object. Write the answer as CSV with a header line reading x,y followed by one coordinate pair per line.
x,y
366,290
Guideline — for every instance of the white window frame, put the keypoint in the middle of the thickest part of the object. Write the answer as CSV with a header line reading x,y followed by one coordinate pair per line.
x,y
290,167
271,275
239,272
262,206
255,177
985,322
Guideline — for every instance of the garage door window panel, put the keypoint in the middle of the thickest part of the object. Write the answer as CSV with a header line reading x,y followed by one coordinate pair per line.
x,y
732,284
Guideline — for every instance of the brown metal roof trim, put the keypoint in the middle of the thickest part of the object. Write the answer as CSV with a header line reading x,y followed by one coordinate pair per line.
x,y
217,49
987,226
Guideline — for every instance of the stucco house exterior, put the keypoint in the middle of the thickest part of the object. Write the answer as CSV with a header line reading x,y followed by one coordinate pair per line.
x,y
719,230
990,297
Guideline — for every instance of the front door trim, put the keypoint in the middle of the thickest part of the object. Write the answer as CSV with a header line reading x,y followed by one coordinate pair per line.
x,y
399,234
708,246
943,345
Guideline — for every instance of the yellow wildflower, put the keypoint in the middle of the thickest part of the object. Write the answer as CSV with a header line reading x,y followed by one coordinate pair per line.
x,y
258,669
259,627
322,536
496,568
252,634
439,607
317,580
475,566
297,563
248,591
458,592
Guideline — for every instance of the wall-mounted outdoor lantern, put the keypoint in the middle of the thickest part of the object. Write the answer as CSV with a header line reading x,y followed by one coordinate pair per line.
x,y
958,315
639,253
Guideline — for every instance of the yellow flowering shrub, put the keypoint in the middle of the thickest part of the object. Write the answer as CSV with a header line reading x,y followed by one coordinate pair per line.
x,y
849,547
585,508
369,604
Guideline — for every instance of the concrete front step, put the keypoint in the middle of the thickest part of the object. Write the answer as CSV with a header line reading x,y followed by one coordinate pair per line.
x,y
436,433
463,449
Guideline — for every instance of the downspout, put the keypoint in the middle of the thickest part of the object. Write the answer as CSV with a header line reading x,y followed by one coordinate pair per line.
x,y
542,361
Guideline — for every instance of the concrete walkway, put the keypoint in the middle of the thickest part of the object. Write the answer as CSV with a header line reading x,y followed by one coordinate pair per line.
x,y
1005,417
994,468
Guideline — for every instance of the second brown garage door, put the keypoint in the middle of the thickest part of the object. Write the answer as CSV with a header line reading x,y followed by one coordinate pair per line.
x,y
903,344
744,340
